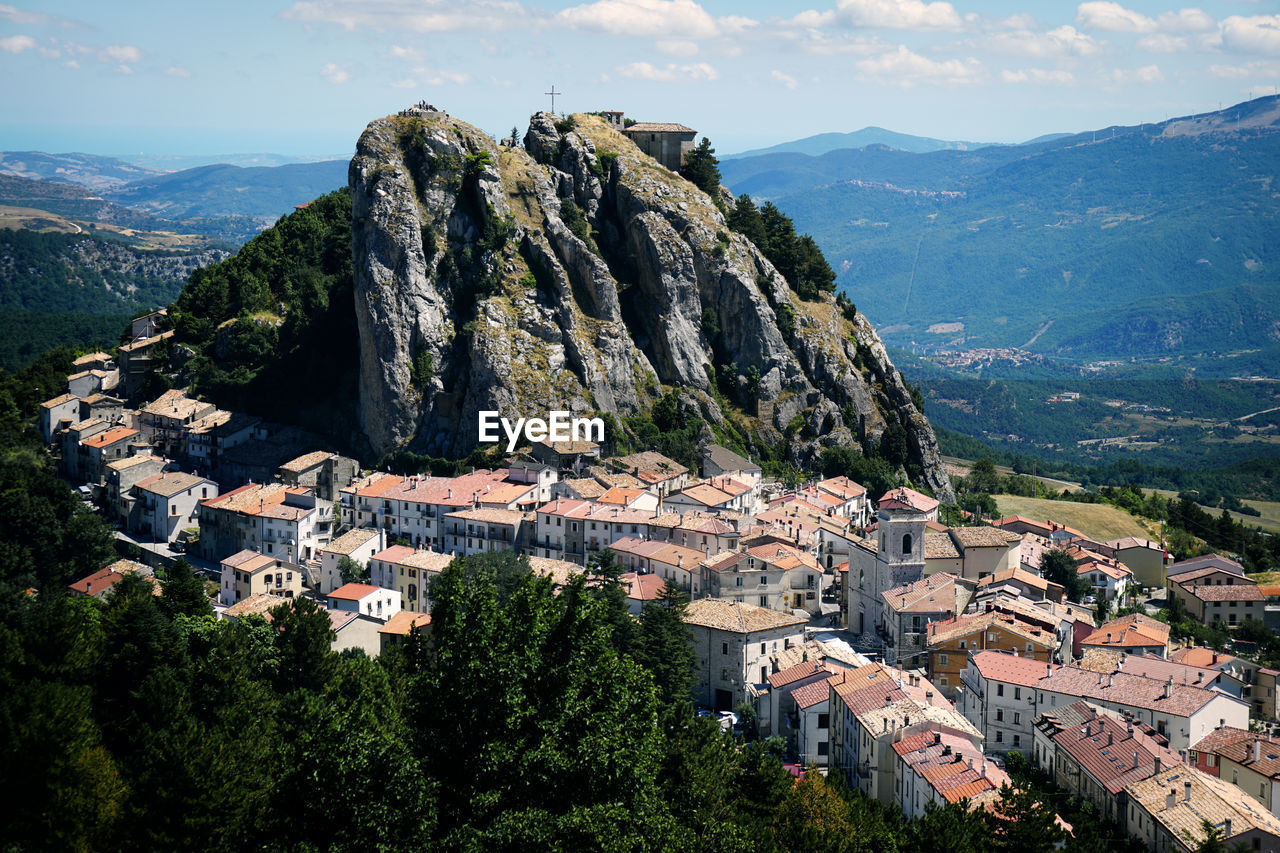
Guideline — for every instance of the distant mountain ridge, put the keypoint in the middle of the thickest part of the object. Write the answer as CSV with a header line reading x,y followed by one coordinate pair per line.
x,y
823,142
1044,245
90,170
263,192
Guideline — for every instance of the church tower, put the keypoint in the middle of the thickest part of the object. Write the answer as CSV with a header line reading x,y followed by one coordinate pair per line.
x,y
901,519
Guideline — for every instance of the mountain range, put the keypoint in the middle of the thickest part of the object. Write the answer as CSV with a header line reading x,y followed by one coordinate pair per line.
x,y
1115,243
823,142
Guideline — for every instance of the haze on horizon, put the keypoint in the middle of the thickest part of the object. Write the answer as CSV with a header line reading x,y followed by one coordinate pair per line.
x,y
305,76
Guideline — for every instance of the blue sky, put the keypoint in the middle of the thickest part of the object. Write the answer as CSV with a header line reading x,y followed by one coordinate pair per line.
x,y
305,76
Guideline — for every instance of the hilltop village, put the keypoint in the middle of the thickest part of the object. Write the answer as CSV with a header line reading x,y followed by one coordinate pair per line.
x,y
904,655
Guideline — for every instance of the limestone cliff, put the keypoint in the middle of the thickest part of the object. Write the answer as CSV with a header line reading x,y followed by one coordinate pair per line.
x,y
577,273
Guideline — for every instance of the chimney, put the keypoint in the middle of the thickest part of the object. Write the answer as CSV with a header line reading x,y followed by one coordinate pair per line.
x,y
928,696
1257,751
1168,687
1135,758
1158,765
1111,738
1186,791
1226,829
1171,799
937,737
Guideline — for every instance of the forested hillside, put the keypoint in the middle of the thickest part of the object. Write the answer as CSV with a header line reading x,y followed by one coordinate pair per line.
x,y
1153,229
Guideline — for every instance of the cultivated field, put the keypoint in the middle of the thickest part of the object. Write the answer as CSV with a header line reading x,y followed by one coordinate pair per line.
x,y
1100,521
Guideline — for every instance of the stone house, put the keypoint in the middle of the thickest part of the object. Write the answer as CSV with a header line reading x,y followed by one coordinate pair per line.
x,y
666,142
732,641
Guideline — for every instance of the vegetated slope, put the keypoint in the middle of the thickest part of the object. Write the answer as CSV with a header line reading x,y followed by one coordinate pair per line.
x,y
90,170
78,290
88,206
1007,239
1102,521
273,327
261,192
823,142
581,275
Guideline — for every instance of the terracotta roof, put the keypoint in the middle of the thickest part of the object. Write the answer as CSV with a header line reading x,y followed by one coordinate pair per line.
x,y
1011,669
111,436
904,498
1018,575
427,561
489,516
560,571
306,461
258,603
403,621
1133,690
802,670
1114,753
394,554
58,401
1211,799
1113,572
354,591
973,623
350,541
934,594
169,484
842,487
736,616
570,448
1132,631
984,537
643,587
1200,656
657,127
1225,592
1205,560
809,695
705,495
938,546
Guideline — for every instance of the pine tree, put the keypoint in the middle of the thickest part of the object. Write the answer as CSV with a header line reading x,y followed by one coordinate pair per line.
x,y
702,169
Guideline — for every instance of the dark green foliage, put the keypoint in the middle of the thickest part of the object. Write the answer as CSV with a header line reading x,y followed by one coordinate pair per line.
x,y
796,257
875,472
571,216
1057,567
352,571
423,368
299,270
701,168
566,124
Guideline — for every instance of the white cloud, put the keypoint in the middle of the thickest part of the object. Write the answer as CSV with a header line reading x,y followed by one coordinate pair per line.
x,y
1162,43
644,18
334,73
898,14
785,79
21,16
1061,41
1145,74
677,47
177,71
1038,75
407,83
1261,71
418,16
17,44
1256,34
670,73
71,63
906,69
120,53
1112,17
398,52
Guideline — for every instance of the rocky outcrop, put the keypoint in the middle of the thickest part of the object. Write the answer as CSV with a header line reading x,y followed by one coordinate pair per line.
x,y
576,273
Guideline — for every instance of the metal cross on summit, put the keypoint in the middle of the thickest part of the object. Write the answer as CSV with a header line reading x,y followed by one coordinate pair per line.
x,y
553,94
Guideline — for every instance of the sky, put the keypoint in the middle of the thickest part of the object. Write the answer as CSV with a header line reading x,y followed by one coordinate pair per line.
x,y
304,77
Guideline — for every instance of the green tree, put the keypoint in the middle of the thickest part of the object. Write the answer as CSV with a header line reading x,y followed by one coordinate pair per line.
x,y
1056,566
1021,821
183,593
353,571
982,477
702,169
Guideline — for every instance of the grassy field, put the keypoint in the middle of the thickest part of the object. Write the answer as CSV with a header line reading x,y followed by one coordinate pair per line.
x,y
1097,520
1269,520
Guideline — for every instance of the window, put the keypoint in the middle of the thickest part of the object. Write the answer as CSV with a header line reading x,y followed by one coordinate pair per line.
x,y
999,689
999,736
738,581
824,720
999,715
942,659
764,601
763,648
1017,693
964,644
906,543
1016,740
1017,720
823,747
724,648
